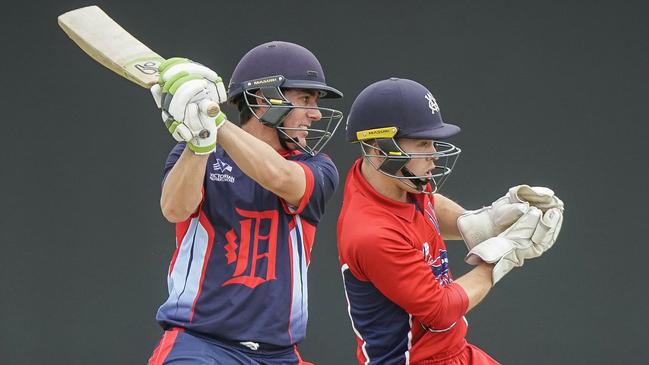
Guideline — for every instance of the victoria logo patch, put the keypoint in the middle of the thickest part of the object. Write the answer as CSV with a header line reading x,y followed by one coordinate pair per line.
x,y
221,170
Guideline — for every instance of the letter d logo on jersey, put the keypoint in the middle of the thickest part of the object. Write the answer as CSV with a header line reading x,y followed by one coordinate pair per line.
x,y
257,242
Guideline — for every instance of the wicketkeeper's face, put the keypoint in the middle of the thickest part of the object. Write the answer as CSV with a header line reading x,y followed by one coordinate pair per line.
x,y
423,152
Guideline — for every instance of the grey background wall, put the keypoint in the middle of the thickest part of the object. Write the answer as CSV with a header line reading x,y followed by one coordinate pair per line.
x,y
548,93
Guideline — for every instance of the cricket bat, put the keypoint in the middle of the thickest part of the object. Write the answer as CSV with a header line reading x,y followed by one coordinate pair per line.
x,y
109,44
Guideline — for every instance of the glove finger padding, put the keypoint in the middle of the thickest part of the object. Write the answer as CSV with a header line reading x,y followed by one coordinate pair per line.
x,y
192,120
538,196
504,215
548,229
475,226
533,234
185,91
179,131
189,92
516,237
221,92
216,92
543,238
156,92
174,68
189,67
182,133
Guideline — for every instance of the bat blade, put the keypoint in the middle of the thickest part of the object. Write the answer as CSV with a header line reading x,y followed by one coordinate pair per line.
x,y
109,44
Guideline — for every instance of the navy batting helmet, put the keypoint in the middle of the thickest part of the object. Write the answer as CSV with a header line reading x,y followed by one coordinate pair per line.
x,y
299,67
266,70
400,108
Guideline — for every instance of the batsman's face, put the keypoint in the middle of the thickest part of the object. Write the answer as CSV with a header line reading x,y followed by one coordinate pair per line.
x,y
305,113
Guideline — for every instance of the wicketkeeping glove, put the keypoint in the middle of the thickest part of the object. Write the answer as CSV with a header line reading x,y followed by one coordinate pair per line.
x,y
184,92
534,233
475,226
538,196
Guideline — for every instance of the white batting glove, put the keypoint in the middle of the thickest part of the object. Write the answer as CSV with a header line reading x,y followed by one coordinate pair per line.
x,y
475,226
184,92
533,234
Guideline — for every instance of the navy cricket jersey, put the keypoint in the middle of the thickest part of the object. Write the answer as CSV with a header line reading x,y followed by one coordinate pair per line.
x,y
239,271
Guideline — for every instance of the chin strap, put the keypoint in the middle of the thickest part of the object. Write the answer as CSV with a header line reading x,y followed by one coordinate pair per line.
x,y
284,140
274,117
395,162
420,184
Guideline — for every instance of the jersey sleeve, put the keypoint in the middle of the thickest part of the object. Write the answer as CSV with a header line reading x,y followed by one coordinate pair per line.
x,y
398,270
321,182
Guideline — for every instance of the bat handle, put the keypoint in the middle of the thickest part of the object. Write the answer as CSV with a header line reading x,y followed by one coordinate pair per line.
x,y
209,107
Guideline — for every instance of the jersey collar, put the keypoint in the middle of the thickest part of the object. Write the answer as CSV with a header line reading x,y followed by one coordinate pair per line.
x,y
406,211
288,153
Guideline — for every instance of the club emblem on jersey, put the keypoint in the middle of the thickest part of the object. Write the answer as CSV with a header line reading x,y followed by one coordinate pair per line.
x,y
432,103
254,256
438,264
223,168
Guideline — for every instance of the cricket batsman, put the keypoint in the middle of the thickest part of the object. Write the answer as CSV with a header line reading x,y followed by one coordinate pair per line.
x,y
246,202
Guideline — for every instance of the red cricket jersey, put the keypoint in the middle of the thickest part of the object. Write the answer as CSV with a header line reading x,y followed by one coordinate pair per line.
x,y
401,297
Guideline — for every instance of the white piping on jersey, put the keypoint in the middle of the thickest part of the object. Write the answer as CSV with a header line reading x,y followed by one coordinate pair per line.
x,y
299,302
185,277
303,263
407,354
349,312
444,330
437,331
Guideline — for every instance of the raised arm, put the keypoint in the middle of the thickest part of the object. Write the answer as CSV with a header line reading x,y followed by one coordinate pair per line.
x,y
182,188
263,164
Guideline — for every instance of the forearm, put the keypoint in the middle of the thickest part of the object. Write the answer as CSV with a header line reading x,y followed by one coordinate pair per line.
x,y
447,212
262,163
477,283
182,188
